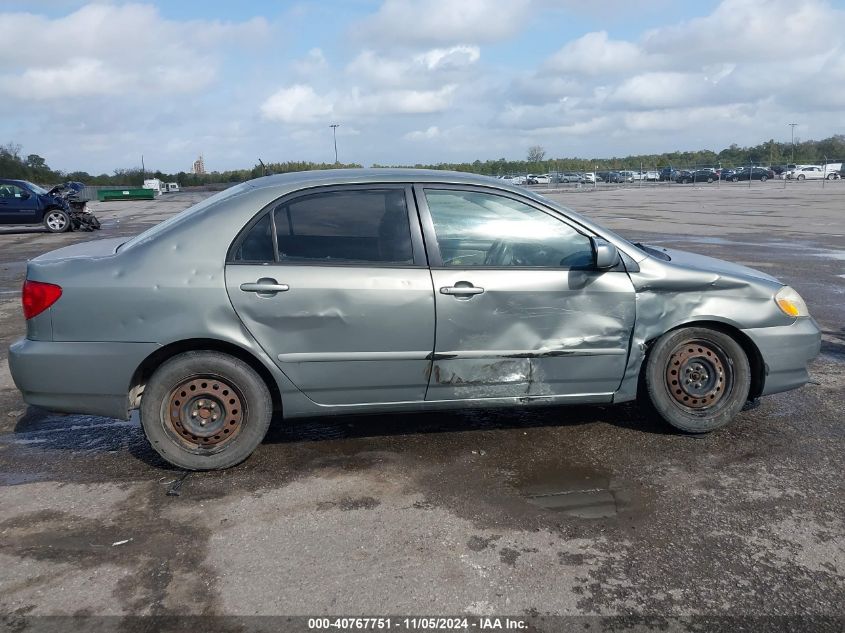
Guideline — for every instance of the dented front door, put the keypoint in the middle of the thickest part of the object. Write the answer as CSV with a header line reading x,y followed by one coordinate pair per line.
x,y
520,311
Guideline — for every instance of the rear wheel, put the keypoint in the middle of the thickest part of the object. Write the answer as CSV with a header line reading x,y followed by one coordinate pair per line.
x,y
205,410
734,179
56,221
697,379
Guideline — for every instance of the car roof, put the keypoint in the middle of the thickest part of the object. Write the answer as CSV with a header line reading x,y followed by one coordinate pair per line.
x,y
374,175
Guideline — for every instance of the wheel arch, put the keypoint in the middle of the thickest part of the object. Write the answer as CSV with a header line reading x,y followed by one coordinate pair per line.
x,y
152,362
755,358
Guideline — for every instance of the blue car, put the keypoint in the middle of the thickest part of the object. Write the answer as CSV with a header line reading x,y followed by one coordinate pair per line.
x,y
22,202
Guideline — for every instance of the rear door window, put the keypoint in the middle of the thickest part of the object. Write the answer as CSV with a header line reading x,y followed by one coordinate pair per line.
x,y
355,226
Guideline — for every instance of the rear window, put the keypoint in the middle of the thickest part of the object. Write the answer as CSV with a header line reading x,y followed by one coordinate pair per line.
x,y
363,226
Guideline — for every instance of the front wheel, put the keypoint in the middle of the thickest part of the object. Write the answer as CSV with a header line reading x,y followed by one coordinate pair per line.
x,y
697,379
57,221
763,178
205,410
734,179
832,177
801,176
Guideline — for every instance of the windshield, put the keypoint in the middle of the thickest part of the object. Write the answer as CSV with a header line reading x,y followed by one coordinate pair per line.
x,y
186,214
35,188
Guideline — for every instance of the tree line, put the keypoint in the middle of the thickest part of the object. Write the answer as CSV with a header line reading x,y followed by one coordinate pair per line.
x,y
32,167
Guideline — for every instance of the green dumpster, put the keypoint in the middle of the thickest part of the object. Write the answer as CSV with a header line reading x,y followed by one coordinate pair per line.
x,y
125,194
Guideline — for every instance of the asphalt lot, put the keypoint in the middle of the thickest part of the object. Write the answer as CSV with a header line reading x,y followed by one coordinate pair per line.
x,y
446,513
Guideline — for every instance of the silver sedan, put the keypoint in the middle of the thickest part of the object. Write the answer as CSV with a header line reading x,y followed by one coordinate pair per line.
x,y
356,291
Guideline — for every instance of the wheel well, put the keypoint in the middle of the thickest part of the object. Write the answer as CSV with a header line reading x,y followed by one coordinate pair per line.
x,y
755,359
165,353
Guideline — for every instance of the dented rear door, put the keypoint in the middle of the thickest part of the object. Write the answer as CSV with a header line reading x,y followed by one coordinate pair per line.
x,y
519,310
334,285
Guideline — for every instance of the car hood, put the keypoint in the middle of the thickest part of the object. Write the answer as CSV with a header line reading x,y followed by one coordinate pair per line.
x,y
711,264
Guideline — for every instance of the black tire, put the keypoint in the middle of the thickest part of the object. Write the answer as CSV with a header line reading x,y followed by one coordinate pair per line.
x,y
832,177
734,179
709,180
801,176
57,221
763,178
710,383
181,398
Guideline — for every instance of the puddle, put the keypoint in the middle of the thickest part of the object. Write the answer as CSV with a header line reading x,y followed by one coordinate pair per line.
x,y
16,479
575,492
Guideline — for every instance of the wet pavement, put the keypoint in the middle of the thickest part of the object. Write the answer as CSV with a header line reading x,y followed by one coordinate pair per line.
x,y
579,510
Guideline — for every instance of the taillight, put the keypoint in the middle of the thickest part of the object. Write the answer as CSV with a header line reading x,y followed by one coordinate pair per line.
x,y
38,296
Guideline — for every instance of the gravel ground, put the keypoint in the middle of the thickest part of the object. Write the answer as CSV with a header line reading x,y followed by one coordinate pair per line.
x,y
445,513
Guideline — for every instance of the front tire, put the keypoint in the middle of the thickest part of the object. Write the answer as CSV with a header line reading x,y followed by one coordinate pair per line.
x,y
697,379
205,410
801,176
763,178
56,221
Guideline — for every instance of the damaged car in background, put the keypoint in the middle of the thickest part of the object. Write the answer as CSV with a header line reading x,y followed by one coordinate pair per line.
x,y
60,209
361,291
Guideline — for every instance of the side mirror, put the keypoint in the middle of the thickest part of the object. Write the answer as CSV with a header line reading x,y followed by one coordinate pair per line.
x,y
23,195
605,254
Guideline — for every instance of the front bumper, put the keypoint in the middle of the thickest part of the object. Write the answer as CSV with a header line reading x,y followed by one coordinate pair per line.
x,y
92,378
786,352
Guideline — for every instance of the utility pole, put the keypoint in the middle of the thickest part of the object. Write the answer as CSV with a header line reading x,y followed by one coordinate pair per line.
x,y
334,127
792,125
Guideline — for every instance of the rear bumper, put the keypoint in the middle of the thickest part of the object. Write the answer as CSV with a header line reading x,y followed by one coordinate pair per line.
x,y
786,352
90,378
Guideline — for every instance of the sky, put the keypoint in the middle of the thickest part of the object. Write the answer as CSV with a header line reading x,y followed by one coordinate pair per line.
x,y
93,86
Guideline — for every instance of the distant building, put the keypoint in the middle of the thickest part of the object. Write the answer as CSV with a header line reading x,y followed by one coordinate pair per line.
x,y
199,165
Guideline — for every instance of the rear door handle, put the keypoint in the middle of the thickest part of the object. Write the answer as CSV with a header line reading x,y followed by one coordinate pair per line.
x,y
461,290
265,286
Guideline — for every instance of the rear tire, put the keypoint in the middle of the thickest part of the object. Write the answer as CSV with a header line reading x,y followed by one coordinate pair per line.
x,y
205,410
697,379
57,221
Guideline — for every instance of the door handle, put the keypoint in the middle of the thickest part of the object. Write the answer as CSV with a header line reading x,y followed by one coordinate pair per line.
x,y
459,291
265,286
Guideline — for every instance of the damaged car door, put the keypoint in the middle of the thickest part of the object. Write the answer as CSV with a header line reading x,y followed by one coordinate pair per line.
x,y
335,287
522,308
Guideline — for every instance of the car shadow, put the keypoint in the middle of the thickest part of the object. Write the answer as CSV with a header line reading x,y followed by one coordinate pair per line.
x,y
42,430
23,230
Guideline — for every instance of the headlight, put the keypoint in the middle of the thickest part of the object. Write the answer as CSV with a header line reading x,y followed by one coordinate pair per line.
x,y
791,303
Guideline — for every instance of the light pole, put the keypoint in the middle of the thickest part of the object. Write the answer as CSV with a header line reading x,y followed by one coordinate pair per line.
x,y
792,125
334,127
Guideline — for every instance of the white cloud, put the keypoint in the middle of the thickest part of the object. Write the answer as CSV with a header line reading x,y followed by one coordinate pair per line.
x,y
445,58
751,31
314,62
105,49
430,67
596,54
300,103
296,104
428,134
414,22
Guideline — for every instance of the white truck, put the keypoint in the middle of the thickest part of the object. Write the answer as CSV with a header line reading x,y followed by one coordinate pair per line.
x,y
155,184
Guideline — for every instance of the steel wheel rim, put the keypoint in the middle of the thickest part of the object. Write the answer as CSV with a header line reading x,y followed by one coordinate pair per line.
x,y
699,375
56,221
204,412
